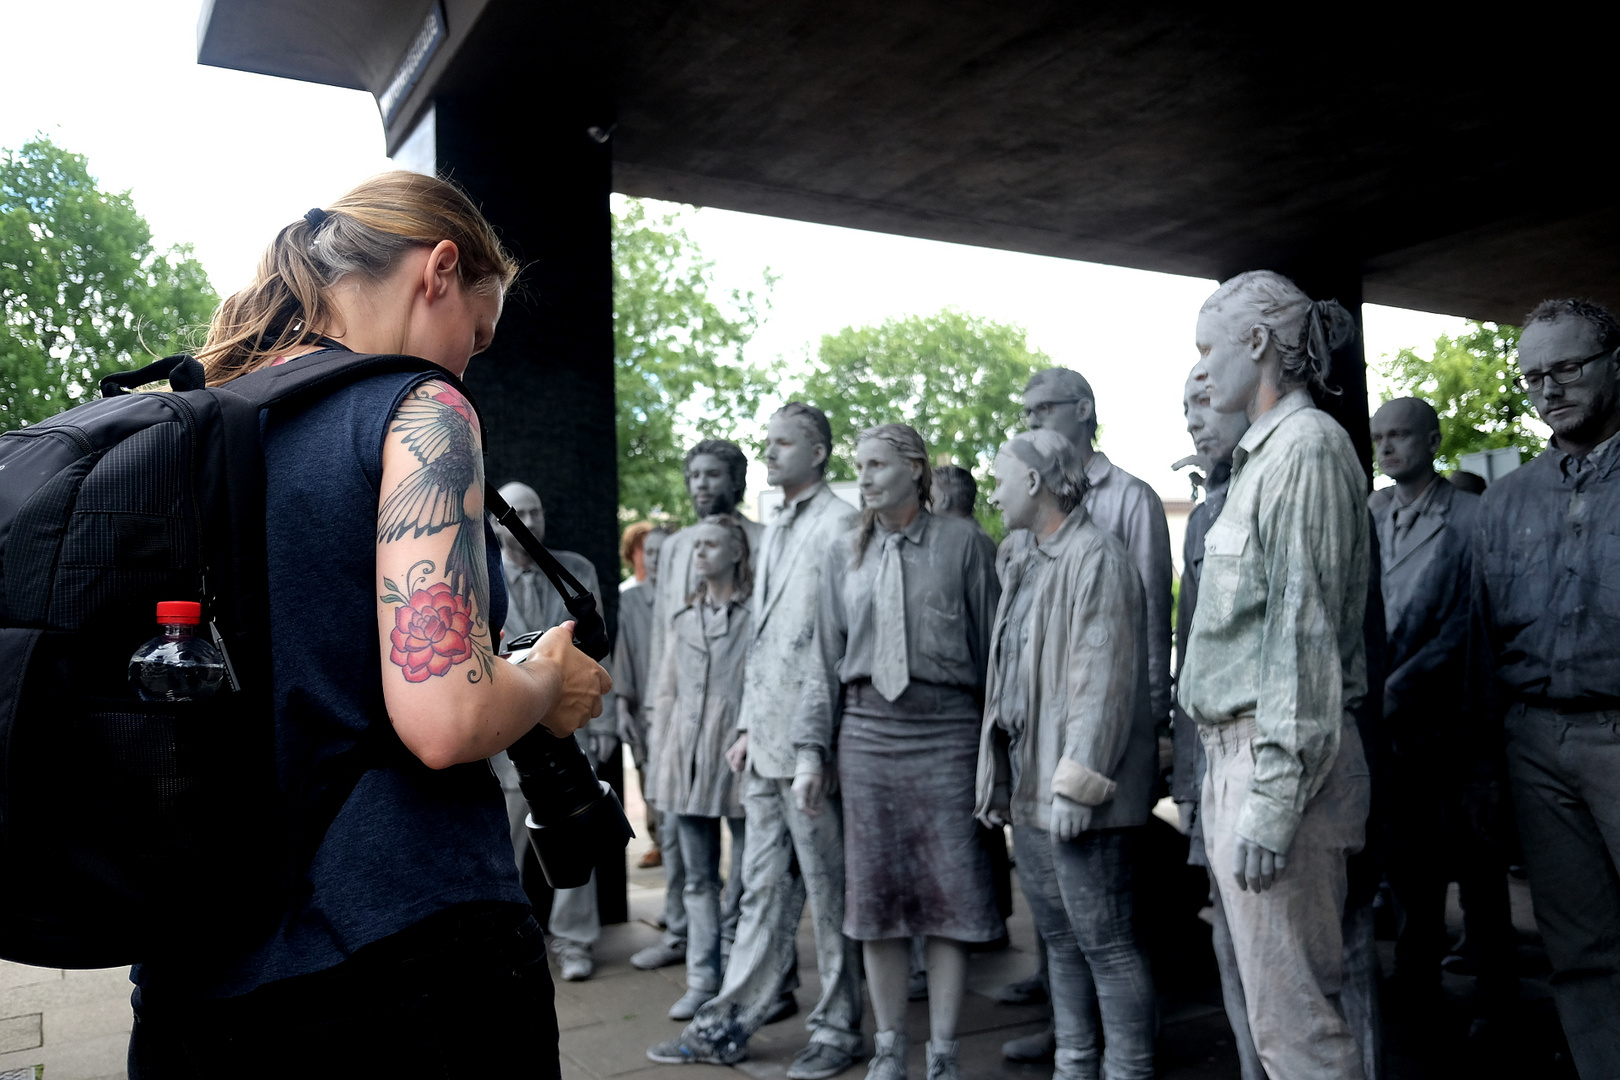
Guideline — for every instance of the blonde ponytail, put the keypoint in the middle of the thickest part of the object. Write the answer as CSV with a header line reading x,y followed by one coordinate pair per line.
x,y
364,233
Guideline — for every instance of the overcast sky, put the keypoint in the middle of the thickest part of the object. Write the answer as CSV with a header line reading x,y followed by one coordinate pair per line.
x,y
223,159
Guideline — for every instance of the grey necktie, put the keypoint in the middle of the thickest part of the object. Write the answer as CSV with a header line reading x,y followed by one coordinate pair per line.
x,y
890,675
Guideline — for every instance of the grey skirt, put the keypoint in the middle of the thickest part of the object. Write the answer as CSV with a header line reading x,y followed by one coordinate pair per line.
x,y
912,858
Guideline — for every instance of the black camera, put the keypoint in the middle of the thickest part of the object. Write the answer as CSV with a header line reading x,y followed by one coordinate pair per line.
x,y
572,814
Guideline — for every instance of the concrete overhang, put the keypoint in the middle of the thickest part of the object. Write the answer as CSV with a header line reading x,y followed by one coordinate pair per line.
x,y
1454,167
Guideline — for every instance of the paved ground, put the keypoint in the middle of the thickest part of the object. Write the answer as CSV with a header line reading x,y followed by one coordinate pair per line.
x,y
76,1023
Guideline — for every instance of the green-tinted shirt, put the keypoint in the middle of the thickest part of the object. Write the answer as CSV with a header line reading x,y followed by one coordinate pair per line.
x,y
1278,630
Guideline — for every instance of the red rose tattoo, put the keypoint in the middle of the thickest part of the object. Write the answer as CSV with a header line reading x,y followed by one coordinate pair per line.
x,y
432,632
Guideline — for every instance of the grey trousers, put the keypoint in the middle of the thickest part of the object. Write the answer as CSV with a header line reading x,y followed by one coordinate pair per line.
x,y
1564,769
712,907
1288,940
790,857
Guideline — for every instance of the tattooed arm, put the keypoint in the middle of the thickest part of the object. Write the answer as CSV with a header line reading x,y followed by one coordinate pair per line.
x,y
451,699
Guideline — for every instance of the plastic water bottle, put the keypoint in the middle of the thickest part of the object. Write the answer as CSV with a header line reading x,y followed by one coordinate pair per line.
x,y
177,665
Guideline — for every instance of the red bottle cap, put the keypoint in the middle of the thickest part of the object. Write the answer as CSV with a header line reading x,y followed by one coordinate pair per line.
x,y
185,612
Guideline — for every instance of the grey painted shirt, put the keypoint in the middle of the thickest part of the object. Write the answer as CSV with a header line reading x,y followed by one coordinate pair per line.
x,y
1130,509
950,597
632,656
1186,776
1546,571
1278,633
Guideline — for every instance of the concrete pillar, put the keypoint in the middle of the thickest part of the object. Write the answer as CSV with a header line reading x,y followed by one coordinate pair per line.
x,y
545,388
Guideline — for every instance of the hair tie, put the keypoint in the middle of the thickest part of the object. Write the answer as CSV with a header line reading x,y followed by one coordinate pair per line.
x,y
316,218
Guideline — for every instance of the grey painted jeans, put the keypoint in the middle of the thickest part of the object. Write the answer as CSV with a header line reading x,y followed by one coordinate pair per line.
x,y
1080,895
711,908
1288,940
1564,769
790,857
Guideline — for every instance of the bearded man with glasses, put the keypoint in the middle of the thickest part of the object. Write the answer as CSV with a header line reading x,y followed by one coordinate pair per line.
x,y
1545,663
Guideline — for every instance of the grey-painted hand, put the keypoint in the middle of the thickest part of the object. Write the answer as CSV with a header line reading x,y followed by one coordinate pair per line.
x,y
1069,818
737,756
1256,868
809,789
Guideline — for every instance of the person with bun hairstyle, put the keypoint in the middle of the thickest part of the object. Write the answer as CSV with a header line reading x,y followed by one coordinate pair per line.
x,y
408,947
1276,663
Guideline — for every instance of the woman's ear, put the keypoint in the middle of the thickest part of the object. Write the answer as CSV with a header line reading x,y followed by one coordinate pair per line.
x,y
1032,482
1257,339
441,271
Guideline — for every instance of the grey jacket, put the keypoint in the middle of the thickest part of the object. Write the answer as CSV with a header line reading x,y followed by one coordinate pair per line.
x,y
1090,734
699,689
784,653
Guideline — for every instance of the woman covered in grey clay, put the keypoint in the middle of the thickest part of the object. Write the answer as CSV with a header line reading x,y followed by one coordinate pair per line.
x,y
1068,754
904,624
699,689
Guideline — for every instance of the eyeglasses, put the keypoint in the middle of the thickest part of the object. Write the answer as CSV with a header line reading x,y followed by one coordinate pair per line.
x,y
1044,409
1562,373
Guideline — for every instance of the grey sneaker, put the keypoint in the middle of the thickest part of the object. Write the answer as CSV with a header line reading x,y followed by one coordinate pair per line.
x,y
888,1056
690,1003
681,1052
1031,1049
818,1061
573,959
662,954
942,1060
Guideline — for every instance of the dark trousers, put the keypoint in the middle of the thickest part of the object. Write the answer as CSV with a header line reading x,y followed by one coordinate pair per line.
x,y
463,994
1564,769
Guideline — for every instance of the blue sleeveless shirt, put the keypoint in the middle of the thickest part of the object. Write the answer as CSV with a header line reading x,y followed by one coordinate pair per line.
x,y
410,841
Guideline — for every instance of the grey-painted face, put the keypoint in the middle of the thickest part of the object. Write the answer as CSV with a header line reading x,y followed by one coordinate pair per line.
x,y
1214,435
1228,369
793,458
1017,492
525,501
650,548
709,483
1404,440
1580,409
887,481
714,551
1047,407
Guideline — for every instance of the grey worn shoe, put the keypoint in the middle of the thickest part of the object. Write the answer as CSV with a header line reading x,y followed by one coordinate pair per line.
x,y
681,1052
1031,1049
1030,991
573,959
690,1003
888,1056
662,954
942,1060
818,1061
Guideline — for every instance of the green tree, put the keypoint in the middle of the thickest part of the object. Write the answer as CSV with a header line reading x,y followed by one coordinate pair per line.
x,y
958,379
83,292
679,367
1470,384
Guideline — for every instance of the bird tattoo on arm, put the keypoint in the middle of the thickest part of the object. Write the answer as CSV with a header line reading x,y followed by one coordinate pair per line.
x,y
438,624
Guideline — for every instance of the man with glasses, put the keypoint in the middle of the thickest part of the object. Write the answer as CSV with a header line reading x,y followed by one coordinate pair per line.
x,y
1545,661
1061,399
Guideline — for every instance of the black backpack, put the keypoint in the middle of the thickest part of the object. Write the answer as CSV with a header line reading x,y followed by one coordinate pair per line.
x,y
134,830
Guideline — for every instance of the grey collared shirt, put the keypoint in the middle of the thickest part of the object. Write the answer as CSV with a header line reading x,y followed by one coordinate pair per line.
x,y
950,596
1278,632
1546,594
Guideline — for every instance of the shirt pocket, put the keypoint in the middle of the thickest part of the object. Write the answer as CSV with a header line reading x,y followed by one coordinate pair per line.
x,y
943,638
1224,546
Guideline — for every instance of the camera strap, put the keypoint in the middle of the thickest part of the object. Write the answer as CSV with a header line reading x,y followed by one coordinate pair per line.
x,y
590,632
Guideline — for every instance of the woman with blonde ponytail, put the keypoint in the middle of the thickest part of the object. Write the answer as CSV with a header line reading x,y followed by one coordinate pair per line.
x,y
386,602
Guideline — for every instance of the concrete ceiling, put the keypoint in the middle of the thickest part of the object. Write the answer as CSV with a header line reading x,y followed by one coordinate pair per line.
x,y
1456,164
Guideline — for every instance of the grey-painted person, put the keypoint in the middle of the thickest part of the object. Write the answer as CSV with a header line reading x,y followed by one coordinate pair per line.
x,y
632,656
716,477
904,627
699,689
1276,662
1545,660
1425,529
575,923
1068,752
795,849
1061,400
